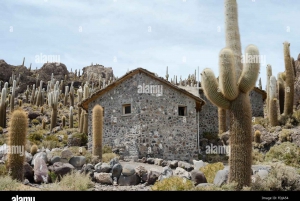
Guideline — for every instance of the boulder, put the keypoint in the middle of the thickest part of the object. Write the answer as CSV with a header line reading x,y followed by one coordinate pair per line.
x,y
221,177
198,177
133,179
40,170
128,170
103,178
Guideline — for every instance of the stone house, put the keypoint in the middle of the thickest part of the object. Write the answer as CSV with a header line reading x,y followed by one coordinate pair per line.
x,y
147,115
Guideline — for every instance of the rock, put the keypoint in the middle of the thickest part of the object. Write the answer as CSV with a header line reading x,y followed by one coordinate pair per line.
x,y
225,137
95,71
113,161
103,167
128,170
204,184
33,115
54,160
198,177
42,155
40,170
188,167
198,164
116,170
3,149
262,173
166,173
165,163
73,141
28,157
103,178
59,71
256,168
28,172
150,160
66,154
142,173
158,161
174,164
144,160
221,177
87,169
133,179
62,169
152,176
77,161
182,173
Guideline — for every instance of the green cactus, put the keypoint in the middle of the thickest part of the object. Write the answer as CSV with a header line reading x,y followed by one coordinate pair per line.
x,y
71,117
97,131
240,159
33,149
289,81
39,98
17,138
71,94
273,109
222,120
281,92
3,108
53,103
12,98
66,95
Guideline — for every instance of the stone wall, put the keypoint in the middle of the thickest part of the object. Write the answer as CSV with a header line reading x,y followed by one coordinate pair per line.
x,y
153,127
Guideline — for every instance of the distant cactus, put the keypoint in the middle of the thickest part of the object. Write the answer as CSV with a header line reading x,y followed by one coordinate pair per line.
x,y
3,108
273,110
97,131
32,94
71,117
53,103
44,124
42,110
63,121
33,149
39,99
81,121
269,74
17,137
12,99
66,95
20,103
257,136
289,80
71,94
281,92
27,96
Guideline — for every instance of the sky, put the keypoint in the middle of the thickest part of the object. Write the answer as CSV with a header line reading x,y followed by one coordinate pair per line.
x,y
126,34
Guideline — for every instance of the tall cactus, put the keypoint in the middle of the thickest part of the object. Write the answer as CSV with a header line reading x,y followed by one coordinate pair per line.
x,y
97,131
289,80
269,74
79,92
273,110
53,103
39,98
12,99
66,95
222,120
237,101
281,92
3,108
71,94
32,94
236,80
17,138
71,117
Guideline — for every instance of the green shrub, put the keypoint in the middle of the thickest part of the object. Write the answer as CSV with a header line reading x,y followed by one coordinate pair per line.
x,y
1,130
3,170
260,120
7,183
74,181
35,122
108,156
280,178
173,183
106,149
53,177
285,135
286,152
36,137
83,138
210,171
257,157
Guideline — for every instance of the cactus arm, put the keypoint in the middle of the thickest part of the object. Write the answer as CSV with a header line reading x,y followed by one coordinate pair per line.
x,y
211,89
250,71
227,78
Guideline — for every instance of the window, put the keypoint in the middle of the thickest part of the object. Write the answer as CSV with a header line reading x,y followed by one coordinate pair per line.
x,y
182,110
126,109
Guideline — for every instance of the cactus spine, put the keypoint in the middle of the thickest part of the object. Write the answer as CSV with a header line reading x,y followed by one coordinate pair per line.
x,y
240,159
289,80
17,137
97,131
71,117
273,110
3,108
